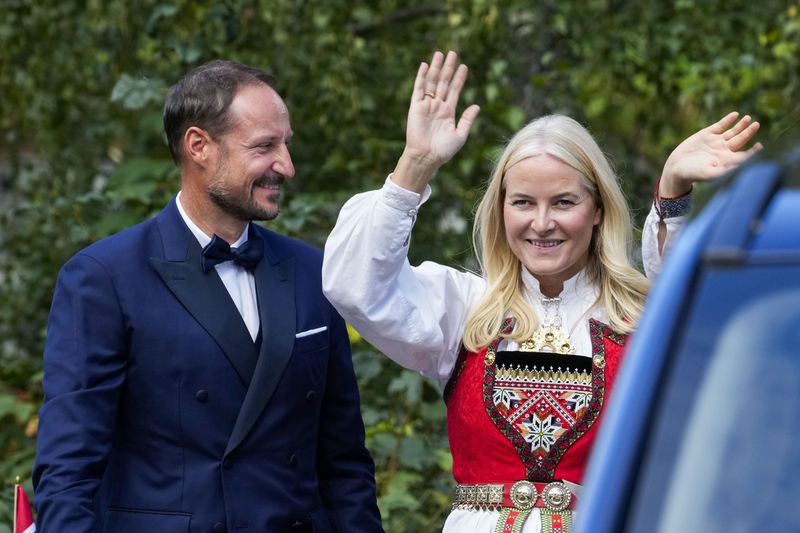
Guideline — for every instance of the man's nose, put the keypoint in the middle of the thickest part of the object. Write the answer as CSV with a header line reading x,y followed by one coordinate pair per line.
x,y
283,163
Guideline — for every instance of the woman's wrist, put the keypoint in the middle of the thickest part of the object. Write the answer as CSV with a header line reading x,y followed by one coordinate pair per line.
x,y
670,188
414,171
671,201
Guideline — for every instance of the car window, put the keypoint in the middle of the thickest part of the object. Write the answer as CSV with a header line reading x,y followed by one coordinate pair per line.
x,y
779,229
723,452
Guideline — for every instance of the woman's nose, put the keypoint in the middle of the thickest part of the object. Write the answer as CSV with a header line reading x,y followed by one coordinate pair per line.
x,y
542,221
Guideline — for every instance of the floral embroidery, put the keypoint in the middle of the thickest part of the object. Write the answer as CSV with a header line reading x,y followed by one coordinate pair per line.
x,y
541,433
504,397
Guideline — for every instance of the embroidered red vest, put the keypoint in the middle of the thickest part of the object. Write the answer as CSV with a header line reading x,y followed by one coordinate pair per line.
x,y
508,420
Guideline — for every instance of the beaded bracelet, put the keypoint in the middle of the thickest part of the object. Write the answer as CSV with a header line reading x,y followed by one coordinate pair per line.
x,y
671,207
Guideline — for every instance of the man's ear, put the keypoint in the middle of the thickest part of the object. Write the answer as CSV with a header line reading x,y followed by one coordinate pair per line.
x,y
197,144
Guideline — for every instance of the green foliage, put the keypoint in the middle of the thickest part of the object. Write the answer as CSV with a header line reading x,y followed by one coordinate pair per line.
x,y
405,418
82,152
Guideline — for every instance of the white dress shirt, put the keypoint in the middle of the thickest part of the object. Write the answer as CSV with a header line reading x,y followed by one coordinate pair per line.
x,y
240,282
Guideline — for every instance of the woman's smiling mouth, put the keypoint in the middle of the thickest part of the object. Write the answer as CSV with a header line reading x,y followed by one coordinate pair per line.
x,y
544,244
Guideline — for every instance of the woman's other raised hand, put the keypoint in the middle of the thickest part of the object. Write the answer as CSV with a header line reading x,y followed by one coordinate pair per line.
x,y
707,154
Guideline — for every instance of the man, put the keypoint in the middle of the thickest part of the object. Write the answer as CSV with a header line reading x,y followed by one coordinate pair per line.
x,y
185,391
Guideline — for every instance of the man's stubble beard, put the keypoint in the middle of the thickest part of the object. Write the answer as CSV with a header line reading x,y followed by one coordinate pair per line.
x,y
243,208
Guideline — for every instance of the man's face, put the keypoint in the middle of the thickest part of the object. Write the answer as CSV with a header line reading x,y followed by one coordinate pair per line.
x,y
253,157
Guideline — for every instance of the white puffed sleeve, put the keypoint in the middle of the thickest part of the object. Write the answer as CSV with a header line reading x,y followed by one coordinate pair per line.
x,y
414,315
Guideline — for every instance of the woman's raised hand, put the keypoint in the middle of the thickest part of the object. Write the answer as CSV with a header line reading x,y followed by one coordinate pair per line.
x,y
433,135
707,154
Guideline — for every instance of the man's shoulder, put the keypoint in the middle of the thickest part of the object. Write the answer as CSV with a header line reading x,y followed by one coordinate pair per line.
x,y
284,247
120,246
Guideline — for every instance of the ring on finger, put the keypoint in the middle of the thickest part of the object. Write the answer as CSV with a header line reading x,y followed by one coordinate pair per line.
x,y
429,93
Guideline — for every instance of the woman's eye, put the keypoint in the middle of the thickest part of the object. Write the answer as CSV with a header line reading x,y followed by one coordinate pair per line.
x,y
519,202
565,203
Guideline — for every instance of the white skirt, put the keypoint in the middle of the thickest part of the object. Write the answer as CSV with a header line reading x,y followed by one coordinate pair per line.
x,y
467,521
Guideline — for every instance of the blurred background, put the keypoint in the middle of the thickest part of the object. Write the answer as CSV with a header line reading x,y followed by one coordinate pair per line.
x,y
82,152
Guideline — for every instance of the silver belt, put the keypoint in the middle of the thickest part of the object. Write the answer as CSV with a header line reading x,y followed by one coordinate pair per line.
x,y
522,495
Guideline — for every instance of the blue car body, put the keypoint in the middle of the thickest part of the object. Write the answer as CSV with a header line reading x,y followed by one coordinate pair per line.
x,y
702,432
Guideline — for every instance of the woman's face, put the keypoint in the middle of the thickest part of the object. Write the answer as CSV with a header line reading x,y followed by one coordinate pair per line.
x,y
549,217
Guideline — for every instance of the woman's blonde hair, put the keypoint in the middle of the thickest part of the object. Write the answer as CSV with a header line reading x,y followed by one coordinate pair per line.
x,y
622,288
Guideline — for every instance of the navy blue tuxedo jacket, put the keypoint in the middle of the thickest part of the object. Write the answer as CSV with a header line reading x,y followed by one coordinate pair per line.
x,y
161,415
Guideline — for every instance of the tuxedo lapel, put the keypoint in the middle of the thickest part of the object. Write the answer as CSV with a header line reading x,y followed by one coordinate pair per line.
x,y
275,287
202,293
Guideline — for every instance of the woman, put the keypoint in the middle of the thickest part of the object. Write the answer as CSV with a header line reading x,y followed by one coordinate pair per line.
x,y
526,353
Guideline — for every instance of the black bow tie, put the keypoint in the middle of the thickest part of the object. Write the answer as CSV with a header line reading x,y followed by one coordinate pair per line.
x,y
246,256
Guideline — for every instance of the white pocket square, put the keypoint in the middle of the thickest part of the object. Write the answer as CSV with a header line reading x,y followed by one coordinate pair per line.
x,y
308,332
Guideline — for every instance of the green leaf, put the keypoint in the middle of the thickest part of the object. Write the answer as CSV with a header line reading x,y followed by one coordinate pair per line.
x,y
11,406
414,453
410,384
137,93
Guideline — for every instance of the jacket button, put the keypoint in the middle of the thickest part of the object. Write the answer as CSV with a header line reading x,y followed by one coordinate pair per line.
x,y
201,395
292,460
227,463
311,395
219,527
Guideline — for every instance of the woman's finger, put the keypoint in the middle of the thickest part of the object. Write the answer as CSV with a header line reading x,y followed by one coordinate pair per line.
x,y
432,77
459,79
737,128
467,120
743,137
418,93
446,74
754,149
724,123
